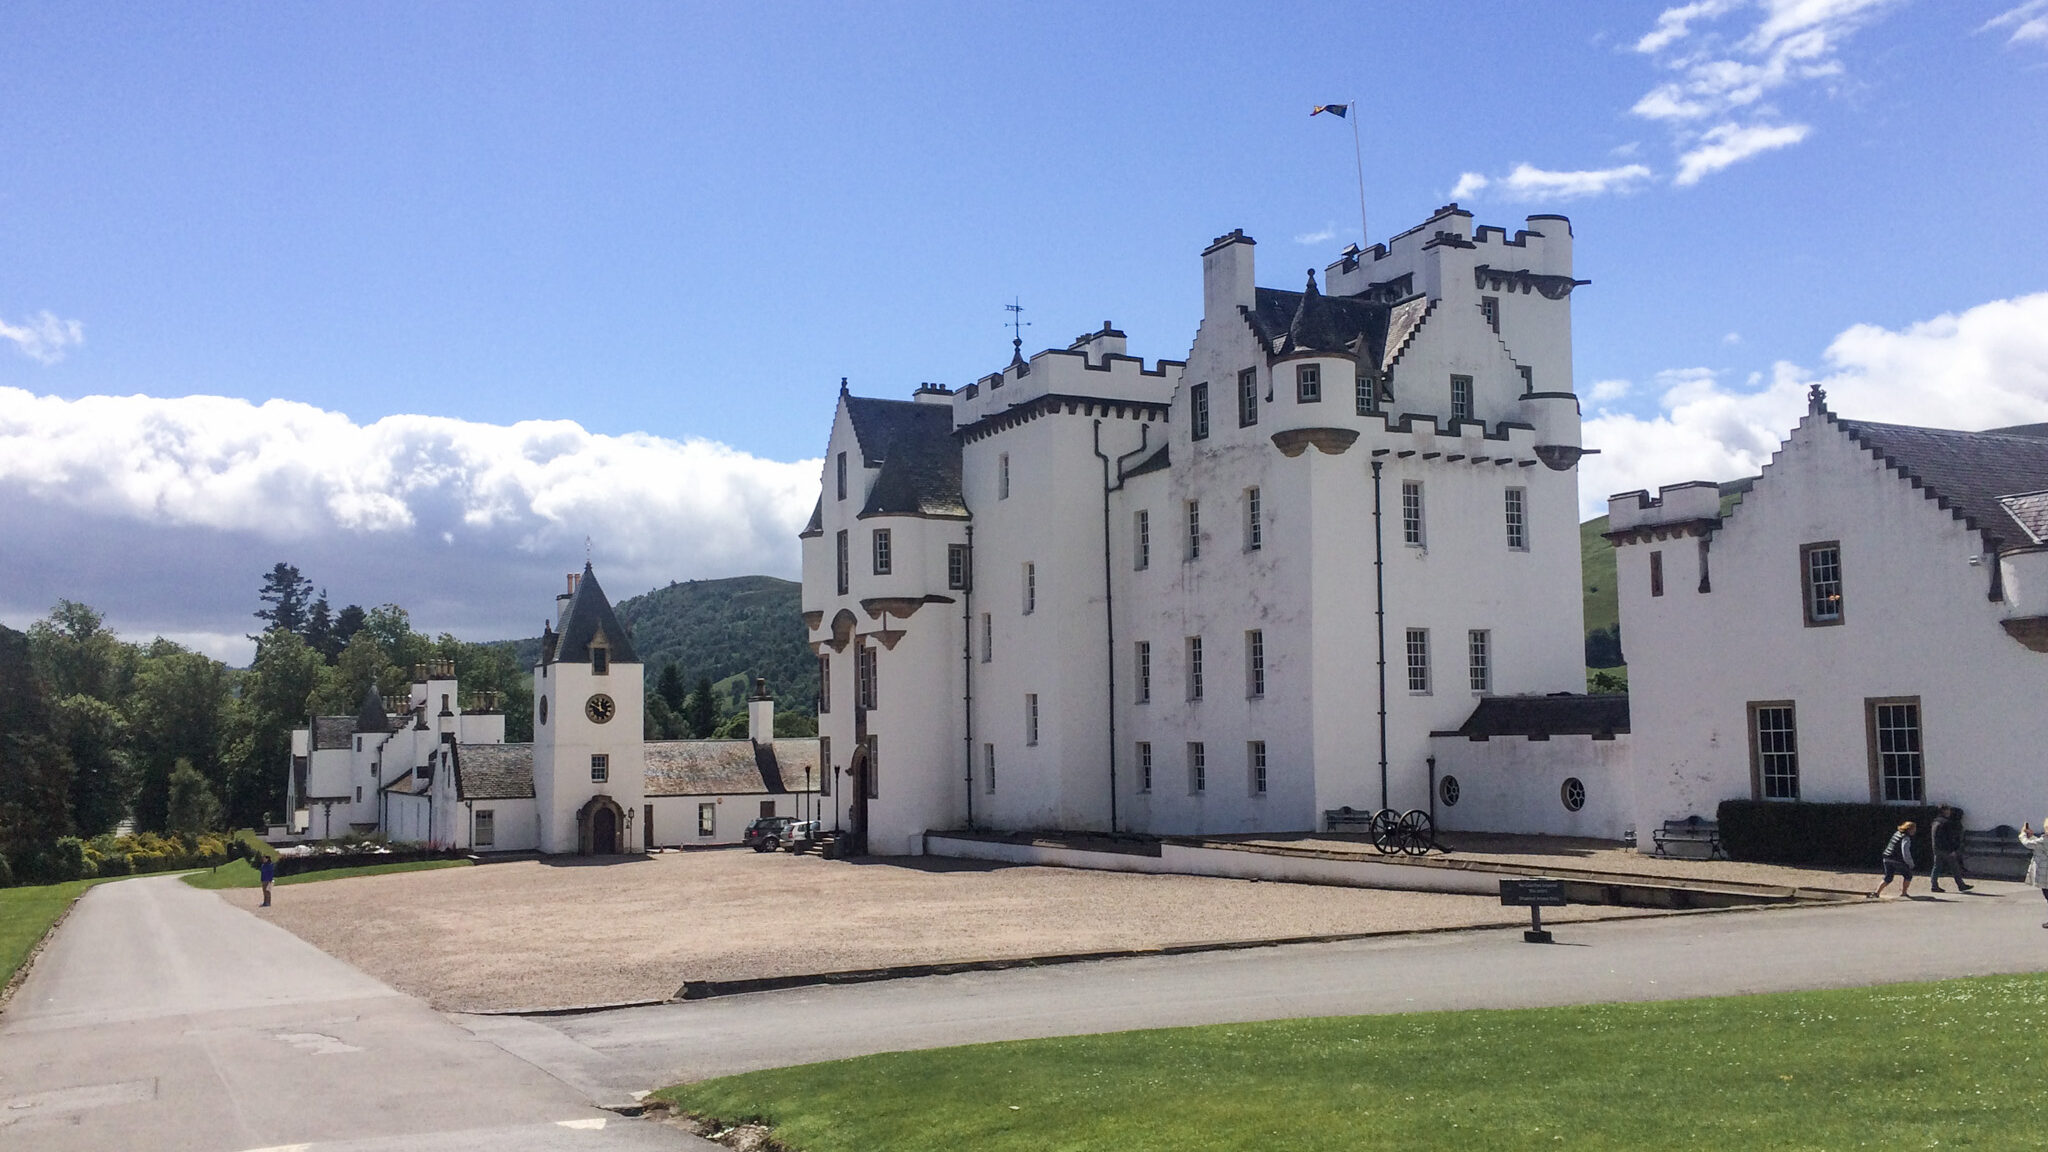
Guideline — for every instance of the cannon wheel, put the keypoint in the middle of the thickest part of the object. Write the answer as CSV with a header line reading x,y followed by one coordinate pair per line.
x,y
1418,834
1386,831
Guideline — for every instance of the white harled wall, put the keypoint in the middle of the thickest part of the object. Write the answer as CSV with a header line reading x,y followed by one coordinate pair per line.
x,y
1917,622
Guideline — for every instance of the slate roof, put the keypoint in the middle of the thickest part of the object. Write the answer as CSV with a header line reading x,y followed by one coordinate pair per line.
x,y
1965,472
494,771
2030,509
1153,463
703,768
816,527
1562,715
332,732
919,458
590,613
797,763
1348,324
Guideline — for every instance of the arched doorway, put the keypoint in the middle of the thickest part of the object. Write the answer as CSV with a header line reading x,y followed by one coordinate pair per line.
x,y
600,827
857,803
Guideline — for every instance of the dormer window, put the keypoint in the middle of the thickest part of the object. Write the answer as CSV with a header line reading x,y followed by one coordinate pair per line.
x,y
600,660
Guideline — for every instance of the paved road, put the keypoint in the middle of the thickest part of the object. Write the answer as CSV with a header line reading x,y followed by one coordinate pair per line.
x,y
160,1017
1996,930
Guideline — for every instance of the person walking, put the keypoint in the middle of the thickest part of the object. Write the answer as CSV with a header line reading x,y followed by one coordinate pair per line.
x,y
1898,861
2037,868
269,873
1946,834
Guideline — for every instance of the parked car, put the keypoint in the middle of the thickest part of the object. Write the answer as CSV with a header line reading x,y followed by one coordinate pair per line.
x,y
768,833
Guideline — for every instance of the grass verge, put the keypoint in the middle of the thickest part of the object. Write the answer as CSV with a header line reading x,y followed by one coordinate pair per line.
x,y
1908,1065
243,874
26,914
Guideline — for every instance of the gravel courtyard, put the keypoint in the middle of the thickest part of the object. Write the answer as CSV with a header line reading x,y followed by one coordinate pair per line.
x,y
541,934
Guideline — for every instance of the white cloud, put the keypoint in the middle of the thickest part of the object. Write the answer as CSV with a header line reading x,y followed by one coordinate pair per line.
x,y
1530,183
43,337
1318,237
1727,79
2029,23
1675,24
1732,338
1606,392
145,506
1727,144
1982,368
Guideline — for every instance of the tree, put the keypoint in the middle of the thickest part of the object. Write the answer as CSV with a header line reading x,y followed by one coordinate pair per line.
x,y
320,629
360,665
391,627
183,708
75,655
276,693
669,686
95,736
700,712
35,772
288,594
347,623
795,725
193,807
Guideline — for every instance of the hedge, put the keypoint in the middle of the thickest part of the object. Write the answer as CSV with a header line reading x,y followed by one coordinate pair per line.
x,y
1843,835
320,862
70,858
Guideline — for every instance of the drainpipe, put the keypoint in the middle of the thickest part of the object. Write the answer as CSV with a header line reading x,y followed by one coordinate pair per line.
x,y
1379,580
1109,590
967,670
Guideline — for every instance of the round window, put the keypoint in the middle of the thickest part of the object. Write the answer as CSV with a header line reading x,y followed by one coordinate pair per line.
x,y
1447,790
1573,794
543,710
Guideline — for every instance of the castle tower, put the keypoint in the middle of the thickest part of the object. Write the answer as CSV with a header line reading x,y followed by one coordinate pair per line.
x,y
589,751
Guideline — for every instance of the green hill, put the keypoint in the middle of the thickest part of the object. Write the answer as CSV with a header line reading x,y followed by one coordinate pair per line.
x,y
731,630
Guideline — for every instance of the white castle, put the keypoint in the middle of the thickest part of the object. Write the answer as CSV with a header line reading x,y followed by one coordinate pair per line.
x,y
1224,595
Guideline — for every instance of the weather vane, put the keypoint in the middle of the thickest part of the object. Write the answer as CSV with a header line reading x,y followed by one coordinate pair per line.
x,y
1017,324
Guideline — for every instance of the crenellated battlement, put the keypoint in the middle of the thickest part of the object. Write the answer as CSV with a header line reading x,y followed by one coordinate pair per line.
x,y
1078,371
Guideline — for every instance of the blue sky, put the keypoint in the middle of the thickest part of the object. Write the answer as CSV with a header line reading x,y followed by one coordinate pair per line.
x,y
674,224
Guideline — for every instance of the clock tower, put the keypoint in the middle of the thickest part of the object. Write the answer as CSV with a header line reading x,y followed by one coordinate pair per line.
x,y
589,752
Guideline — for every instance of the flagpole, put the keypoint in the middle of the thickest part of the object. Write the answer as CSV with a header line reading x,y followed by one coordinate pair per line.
x,y
1358,154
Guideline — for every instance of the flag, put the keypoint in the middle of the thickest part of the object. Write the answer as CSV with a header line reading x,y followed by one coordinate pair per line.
x,y
1338,110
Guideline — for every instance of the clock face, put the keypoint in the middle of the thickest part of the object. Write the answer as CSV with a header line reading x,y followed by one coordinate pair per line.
x,y
599,708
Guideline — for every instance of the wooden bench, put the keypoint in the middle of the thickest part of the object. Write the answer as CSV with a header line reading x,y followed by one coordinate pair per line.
x,y
1691,830
1346,819
1995,853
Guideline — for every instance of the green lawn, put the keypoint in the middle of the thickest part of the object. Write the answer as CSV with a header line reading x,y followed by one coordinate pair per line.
x,y
1948,1064
26,913
242,874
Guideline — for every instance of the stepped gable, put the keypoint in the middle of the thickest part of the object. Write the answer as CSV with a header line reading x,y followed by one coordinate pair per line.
x,y
1561,715
331,732
1967,473
371,717
919,458
703,768
1352,325
494,771
589,614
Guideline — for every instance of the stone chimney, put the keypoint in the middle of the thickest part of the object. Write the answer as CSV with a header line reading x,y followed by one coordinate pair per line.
x,y
1227,275
761,713
1097,345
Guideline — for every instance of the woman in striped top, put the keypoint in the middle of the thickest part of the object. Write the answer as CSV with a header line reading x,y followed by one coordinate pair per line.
x,y
1898,860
